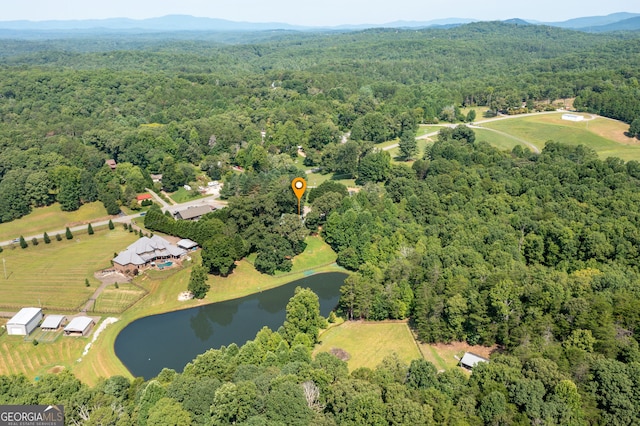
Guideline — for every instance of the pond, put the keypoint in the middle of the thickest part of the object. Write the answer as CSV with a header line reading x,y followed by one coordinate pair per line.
x,y
172,340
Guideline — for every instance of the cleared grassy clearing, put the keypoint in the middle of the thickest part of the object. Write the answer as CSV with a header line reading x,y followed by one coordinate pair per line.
x,y
368,343
540,129
443,355
499,140
53,275
116,300
45,219
18,356
315,179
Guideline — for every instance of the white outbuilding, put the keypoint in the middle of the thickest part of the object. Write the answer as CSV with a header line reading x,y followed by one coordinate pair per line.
x,y
470,360
24,322
79,326
52,322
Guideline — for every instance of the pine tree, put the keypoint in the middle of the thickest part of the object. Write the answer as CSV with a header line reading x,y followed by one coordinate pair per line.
x,y
68,234
90,229
111,226
46,238
408,145
23,243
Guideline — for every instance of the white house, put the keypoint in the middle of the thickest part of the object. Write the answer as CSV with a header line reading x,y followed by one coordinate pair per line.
x,y
24,322
572,117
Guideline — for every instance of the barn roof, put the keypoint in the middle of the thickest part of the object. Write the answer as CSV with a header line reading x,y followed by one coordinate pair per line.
x,y
24,316
78,324
187,244
52,321
470,359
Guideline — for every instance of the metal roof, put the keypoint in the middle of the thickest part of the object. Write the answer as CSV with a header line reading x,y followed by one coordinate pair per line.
x,y
470,359
24,316
194,211
146,249
78,324
52,321
187,243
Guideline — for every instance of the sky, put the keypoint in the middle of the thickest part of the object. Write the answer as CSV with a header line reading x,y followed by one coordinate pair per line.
x,y
314,13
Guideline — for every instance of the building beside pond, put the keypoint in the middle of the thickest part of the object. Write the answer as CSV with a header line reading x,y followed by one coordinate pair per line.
x,y
79,326
145,252
24,322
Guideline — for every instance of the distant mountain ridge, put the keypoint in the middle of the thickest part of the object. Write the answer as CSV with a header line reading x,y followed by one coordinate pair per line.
x,y
171,23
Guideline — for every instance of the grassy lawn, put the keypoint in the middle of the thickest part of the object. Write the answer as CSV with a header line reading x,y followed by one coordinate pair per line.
x,y
50,218
368,343
53,275
182,195
116,300
499,140
315,179
428,128
593,133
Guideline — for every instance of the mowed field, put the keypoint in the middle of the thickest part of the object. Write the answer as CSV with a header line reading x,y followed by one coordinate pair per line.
x,y
116,300
368,343
53,275
46,219
605,136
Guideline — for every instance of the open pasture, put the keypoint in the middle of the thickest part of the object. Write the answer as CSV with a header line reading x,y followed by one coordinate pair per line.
x,y
117,300
44,219
368,343
605,136
53,275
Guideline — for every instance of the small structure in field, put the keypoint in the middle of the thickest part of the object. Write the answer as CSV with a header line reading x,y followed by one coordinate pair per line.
x,y
111,163
573,117
470,360
79,326
53,322
24,322
187,244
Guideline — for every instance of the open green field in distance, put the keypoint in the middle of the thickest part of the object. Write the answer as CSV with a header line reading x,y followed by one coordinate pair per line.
x,y
315,179
53,275
46,219
368,343
605,136
117,300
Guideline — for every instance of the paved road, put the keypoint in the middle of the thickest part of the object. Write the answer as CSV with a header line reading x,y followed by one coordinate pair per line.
x,y
211,200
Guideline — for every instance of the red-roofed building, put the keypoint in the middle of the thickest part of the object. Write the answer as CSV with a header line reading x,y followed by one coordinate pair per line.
x,y
145,196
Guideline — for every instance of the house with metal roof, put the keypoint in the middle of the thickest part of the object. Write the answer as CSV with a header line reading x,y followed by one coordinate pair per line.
x,y
79,326
144,253
24,322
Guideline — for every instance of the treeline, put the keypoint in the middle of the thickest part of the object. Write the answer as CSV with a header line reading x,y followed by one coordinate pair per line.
x,y
176,107
274,380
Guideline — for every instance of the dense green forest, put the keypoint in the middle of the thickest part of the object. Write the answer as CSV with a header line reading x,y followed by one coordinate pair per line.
x,y
535,252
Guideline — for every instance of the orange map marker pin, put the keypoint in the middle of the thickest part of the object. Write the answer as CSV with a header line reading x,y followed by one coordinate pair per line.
x,y
299,185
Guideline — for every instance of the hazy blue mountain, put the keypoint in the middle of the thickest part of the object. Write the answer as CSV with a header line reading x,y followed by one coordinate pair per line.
x,y
593,21
517,21
631,24
190,23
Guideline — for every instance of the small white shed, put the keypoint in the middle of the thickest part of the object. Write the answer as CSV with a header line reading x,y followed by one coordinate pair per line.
x,y
470,360
24,322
